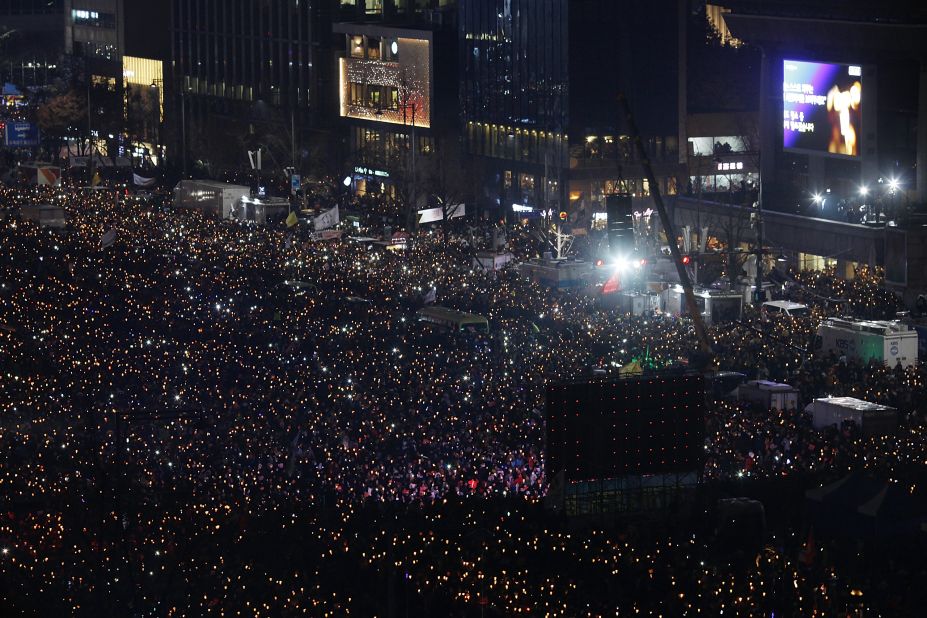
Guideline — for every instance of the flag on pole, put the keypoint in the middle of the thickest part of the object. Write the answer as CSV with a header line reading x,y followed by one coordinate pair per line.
x,y
327,219
431,296
292,219
108,239
96,179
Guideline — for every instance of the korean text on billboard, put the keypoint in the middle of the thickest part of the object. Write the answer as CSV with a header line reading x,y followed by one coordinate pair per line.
x,y
822,107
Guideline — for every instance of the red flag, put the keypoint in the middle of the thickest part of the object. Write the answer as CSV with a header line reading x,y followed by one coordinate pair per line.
x,y
612,285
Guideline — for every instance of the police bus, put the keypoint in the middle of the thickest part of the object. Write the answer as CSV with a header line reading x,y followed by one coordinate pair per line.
x,y
453,320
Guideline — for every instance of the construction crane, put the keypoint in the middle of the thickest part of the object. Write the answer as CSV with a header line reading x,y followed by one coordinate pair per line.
x,y
701,333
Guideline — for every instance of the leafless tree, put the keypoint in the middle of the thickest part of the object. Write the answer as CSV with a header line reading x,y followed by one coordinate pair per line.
x,y
448,178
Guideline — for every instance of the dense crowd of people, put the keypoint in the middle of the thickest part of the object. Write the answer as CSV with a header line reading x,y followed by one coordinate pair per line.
x,y
202,417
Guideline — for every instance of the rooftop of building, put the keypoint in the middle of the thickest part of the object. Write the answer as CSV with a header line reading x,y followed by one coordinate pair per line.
x,y
883,11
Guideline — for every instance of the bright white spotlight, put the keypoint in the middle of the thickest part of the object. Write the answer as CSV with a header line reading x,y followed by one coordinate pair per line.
x,y
347,181
893,184
864,191
817,198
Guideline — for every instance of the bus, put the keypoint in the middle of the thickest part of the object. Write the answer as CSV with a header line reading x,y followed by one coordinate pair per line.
x,y
453,320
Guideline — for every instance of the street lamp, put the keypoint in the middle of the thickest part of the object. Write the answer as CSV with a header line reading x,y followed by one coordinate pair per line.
x,y
893,185
91,141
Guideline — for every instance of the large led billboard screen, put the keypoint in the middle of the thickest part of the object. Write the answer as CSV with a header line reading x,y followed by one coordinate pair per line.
x,y
822,107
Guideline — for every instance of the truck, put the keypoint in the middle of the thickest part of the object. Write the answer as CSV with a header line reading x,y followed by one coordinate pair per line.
x,y
716,306
260,210
638,303
873,419
767,395
219,199
884,341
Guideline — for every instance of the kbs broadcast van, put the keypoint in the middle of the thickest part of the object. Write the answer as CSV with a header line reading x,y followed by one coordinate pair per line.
x,y
887,342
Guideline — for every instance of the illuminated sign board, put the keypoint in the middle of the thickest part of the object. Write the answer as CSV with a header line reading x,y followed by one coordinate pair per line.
x,y
368,172
22,134
730,166
822,108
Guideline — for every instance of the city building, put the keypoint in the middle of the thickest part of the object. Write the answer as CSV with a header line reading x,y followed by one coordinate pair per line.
x,y
539,88
842,130
723,156
146,79
118,50
715,15
31,40
251,69
396,96
872,52
95,34
397,11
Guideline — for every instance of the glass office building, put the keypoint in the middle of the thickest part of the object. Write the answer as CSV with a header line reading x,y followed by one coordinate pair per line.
x,y
539,92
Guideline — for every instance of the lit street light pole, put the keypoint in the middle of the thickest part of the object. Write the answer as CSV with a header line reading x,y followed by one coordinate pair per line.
x,y
892,188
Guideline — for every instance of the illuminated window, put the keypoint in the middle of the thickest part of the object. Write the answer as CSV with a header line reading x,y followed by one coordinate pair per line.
x,y
357,47
526,184
373,48
701,146
94,19
507,179
356,93
553,187
374,99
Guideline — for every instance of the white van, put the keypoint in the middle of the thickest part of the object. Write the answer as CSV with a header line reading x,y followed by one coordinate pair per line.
x,y
784,307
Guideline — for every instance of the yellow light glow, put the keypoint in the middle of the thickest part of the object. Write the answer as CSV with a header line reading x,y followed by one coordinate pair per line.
x,y
145,72
411,76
